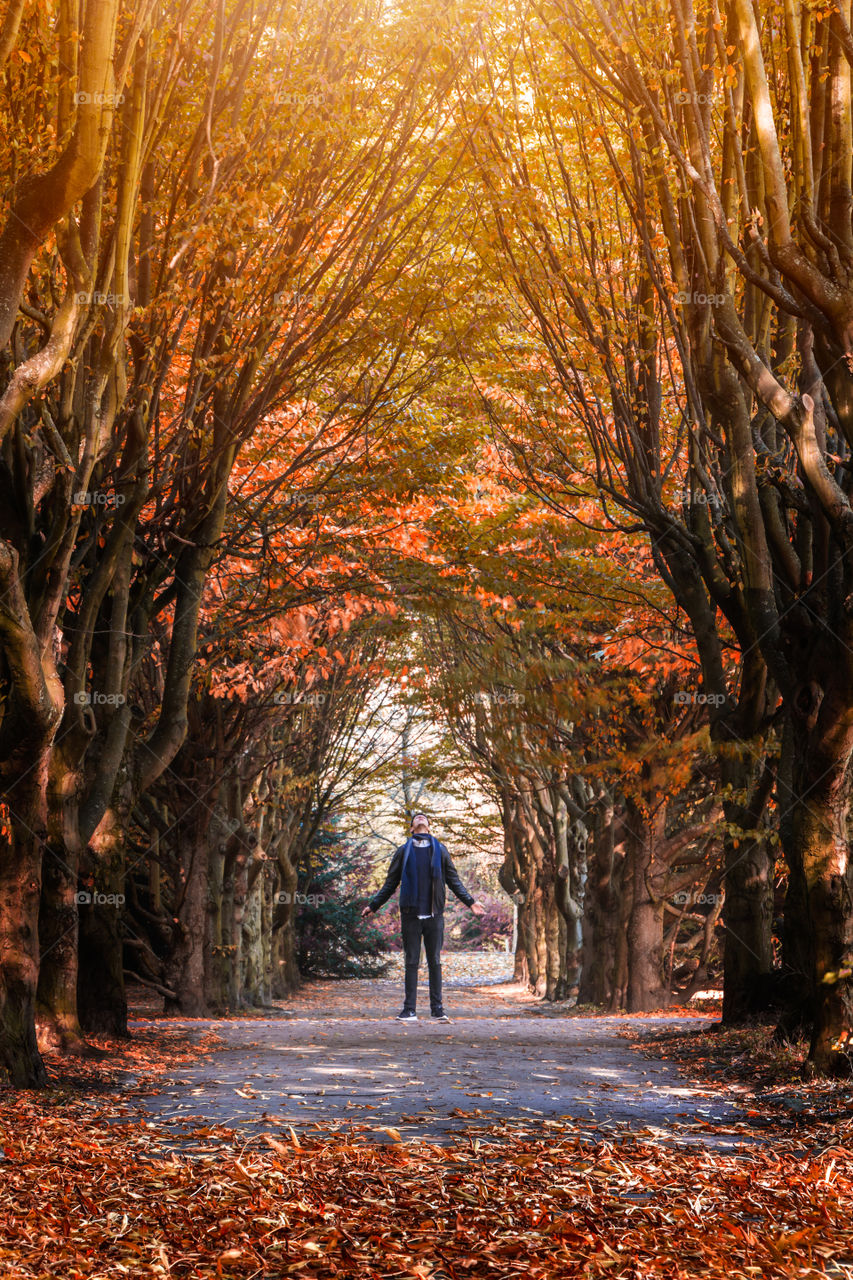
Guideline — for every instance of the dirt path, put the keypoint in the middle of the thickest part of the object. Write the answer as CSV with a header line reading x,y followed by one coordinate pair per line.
x,y
334,1059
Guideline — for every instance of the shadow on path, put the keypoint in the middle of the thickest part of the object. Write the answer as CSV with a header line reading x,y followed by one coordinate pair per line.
x,y
333,1060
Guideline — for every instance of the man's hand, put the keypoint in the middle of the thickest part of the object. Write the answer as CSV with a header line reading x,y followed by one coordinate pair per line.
x,y
366,911
478,908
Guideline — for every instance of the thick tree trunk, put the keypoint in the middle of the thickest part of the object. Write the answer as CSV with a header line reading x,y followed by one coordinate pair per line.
x,y
267,890
520,969
20,883
825,857
255,942
58,1022
601,910
30,715
537,946
239,894
185,967
59,1026
749,875
285,966
556,977
796,1017
101,996
646,990
821,854
619,995
286,977
748,920
216,962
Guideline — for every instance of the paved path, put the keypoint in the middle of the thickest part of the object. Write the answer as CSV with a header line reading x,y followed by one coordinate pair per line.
x,y
334,1059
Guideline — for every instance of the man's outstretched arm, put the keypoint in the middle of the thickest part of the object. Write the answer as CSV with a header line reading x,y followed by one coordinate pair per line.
x,y
451,879
392,879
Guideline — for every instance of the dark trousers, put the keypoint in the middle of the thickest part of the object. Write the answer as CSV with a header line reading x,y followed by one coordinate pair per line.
x,y
432,932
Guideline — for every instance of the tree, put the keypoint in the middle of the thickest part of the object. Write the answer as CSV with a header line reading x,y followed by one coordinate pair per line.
x,y
199,306
599,413
332,939
754,233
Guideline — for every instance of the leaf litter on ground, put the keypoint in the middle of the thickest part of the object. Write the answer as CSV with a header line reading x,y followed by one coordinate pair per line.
x,y
88,1188
82,1196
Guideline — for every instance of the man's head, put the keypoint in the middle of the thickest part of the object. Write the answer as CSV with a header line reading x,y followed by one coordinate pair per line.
x,y
420,824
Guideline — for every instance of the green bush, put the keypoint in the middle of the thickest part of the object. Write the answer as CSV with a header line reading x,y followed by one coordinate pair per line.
x,y
332,939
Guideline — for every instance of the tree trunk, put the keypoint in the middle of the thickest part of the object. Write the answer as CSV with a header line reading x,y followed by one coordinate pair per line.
x,y
796,1017
749,865
520,967
619,995
216,964
286,976
239,894
826,861
101,996
748,920
645,927
821,854
600,921
253,945
59,1026
184,969
30,716
20,884
556,986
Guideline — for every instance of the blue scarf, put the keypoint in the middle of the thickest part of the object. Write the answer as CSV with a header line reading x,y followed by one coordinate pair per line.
x,y
408,880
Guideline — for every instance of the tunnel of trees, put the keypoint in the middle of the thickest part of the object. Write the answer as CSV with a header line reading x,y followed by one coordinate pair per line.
x,y
493,366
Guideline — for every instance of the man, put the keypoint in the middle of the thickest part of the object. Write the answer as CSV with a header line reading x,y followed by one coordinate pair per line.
x,y
422,867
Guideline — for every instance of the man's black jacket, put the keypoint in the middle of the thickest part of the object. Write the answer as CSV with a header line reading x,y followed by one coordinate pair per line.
x,y
449,875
